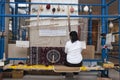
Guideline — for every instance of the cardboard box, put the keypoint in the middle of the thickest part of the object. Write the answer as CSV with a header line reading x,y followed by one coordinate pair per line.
x,y
104,78
17,73
7,74
89,52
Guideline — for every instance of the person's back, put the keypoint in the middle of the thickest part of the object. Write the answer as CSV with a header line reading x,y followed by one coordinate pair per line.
x,y
74,52
73,49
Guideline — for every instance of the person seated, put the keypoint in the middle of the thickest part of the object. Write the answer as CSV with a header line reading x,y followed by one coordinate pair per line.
x,y
73,49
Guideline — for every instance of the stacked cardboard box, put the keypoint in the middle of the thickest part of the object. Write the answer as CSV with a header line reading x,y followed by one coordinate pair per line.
x,y
17,74
89,52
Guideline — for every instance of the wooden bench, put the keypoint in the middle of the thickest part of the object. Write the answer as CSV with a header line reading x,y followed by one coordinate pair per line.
x,y
63,68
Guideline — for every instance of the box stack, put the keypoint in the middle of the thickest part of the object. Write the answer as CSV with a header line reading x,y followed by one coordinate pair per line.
x,y
17,74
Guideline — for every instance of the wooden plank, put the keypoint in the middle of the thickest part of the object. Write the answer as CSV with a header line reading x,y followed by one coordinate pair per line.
x,y
62,68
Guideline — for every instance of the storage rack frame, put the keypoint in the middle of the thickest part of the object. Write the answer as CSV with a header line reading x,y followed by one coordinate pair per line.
x,y
104,20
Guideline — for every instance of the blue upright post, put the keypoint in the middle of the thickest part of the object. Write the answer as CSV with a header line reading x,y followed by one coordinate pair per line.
x,y
103,25
2,27
90,30
119,28
15,22
107,27
24,34
104,31
0,24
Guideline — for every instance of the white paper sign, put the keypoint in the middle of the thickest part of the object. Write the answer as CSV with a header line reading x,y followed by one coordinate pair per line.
x,y
24,44
1,63
48,32
83,44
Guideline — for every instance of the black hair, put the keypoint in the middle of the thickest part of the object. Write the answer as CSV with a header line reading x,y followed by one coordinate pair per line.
x,y
73,36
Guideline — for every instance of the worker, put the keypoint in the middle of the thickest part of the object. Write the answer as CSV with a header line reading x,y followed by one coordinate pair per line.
x,y
73,49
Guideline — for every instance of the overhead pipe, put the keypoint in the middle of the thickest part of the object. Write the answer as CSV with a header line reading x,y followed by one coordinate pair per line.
x,y
72,16
13,2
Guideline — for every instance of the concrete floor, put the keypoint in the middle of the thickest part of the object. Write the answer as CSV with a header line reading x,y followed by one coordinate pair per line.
x,y
115,75
82,76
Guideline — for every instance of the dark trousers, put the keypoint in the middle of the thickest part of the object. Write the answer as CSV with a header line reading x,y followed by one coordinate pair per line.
x,y
73,65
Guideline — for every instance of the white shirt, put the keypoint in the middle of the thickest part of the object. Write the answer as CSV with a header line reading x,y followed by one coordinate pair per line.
x,y
73,51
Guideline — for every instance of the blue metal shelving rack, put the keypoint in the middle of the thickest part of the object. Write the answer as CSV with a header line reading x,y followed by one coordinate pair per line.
x,y
118,43
2,27
104,20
